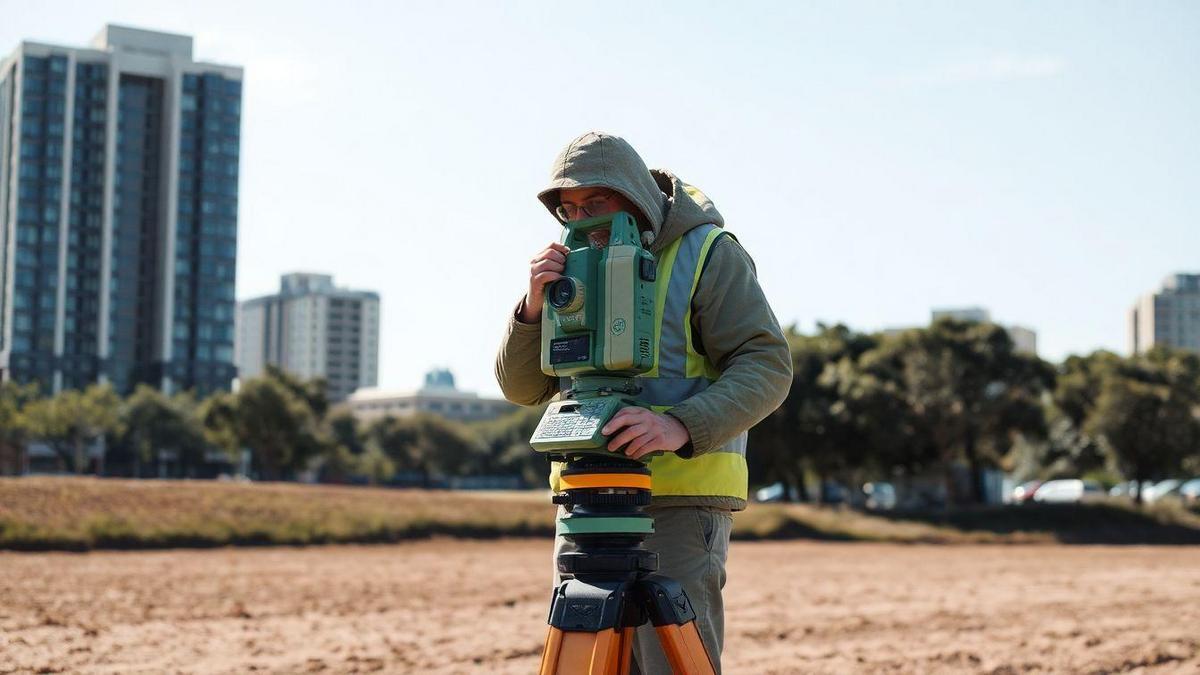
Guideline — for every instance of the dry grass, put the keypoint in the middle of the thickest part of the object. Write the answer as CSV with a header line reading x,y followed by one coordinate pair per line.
x,y
53,513
803,521
86,513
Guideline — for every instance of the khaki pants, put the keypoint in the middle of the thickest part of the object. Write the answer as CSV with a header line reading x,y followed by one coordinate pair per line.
x,y
692,543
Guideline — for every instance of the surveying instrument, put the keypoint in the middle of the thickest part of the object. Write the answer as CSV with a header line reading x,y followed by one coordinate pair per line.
x,y
598,329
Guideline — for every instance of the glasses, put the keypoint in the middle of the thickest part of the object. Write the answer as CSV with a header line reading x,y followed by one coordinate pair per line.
x,y
592,207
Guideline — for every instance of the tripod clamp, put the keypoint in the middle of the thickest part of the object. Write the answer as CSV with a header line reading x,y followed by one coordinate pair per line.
x,y
596,607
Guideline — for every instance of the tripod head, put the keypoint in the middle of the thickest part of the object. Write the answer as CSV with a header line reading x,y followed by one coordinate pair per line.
x,y
605,497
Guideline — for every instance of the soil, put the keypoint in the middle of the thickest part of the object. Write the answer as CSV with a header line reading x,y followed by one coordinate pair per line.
x,y
449,606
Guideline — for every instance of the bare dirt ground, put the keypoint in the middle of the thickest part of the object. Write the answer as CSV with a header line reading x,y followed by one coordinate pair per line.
x,y
448,606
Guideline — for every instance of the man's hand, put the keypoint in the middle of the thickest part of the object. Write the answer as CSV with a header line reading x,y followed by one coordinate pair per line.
x,y
645,432
546,267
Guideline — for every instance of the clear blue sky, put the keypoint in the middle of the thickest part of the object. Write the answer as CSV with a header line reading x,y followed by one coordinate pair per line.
x,y
876,159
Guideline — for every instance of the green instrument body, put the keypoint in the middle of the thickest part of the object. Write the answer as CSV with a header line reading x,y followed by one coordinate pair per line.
x,y
605,324
597,329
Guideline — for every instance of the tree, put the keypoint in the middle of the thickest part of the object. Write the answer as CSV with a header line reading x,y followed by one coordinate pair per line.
x,y
395,438
343,456
71,420
968,391
876,420
375,466
219,422
268,416
813,430
505,441
312,392
153,423
189,441
427,444
345,430
1146,414
447,448
14,426
1069,450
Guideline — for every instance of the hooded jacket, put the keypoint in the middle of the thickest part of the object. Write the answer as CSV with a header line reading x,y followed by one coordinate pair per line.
x,y
732,323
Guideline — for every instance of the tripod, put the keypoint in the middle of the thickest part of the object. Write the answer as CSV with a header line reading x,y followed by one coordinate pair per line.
x,y
613,588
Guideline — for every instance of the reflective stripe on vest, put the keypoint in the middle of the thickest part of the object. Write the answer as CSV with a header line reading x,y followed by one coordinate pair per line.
x,y
680,372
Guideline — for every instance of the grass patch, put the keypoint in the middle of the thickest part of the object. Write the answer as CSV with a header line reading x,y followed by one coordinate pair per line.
x,y
804,521
1109,522
81,514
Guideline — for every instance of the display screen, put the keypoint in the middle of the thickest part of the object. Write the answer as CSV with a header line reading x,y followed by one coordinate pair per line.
x,y
569,350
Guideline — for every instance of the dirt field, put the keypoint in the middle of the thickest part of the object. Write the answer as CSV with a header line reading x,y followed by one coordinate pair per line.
x,y
462,607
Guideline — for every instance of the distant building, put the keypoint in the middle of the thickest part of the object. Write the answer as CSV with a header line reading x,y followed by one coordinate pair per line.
x,y
118,213
312,329
1169,317
1024,339
439,397
976,314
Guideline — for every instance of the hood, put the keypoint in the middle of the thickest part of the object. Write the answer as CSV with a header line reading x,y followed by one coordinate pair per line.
x,y
687,207
669,207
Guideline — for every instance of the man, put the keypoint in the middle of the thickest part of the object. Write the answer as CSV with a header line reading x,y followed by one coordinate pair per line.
x,y
723,365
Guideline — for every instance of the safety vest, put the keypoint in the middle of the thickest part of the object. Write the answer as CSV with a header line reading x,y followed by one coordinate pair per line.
x,y
681,372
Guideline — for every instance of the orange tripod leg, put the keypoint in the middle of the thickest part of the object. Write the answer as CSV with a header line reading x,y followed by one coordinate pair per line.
x,y
684,649
606,652
550,654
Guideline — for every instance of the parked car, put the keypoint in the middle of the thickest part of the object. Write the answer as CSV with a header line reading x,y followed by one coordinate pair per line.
x,y
880,496
1161,489
833,493
1068,491
1024,492
1189,492
1127,488
774,492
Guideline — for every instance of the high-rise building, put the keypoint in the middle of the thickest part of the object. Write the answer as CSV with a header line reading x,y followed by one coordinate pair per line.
x,y
312,329
1170,317
118,213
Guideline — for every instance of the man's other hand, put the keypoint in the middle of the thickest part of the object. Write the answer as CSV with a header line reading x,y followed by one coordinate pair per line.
x,y
644,432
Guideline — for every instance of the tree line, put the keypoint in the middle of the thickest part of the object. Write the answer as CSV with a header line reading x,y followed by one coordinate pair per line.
x,y
283,426
927,402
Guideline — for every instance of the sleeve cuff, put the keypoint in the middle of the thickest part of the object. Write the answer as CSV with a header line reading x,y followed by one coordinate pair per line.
x,y
698,433
516,325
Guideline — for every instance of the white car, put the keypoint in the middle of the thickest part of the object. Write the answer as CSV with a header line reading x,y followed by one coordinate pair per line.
x,y
1189,492
771,493
1068,491
1160,489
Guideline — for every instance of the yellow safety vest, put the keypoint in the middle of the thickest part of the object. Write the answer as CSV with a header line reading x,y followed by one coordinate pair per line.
x,y
680,372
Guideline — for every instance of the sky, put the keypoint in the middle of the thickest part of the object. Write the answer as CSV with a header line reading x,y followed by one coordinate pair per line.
x,y
877,159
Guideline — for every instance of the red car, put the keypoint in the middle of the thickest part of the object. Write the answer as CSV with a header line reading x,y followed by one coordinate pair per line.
x,y
1024,492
